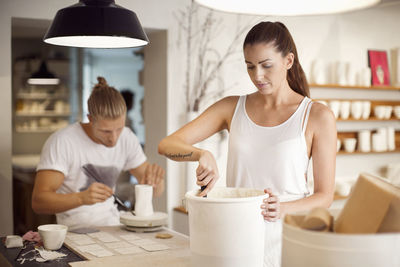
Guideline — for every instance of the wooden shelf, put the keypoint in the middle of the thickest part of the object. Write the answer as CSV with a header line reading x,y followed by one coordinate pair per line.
x,y
43,114
40,96
337,86
370,119
181,209
47,130
341,152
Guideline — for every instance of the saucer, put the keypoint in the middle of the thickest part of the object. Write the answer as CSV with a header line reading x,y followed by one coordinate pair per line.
x,y
156,219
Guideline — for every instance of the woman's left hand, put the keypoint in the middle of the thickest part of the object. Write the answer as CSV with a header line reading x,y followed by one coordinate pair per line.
x,y
271,207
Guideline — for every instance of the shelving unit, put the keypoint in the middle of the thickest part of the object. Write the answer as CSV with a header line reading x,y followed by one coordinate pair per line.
x,y
40,108
337,86
372,123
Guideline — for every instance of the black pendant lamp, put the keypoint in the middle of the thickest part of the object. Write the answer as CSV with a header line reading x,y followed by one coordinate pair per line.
x,y
96,24
43,76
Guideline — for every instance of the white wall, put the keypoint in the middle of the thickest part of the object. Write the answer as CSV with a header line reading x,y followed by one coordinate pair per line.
x,y
343,37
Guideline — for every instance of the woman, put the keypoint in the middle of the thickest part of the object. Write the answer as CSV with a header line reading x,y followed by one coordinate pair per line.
x,y
273,134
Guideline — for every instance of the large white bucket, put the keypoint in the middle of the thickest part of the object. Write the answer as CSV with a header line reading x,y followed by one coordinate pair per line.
x,y
304,248
226,228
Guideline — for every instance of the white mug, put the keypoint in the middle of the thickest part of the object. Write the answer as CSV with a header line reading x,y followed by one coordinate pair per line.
x,y
391,141
365,77
377,142
364,141
356,109
335,107
143,200
366,109
350,144
345,110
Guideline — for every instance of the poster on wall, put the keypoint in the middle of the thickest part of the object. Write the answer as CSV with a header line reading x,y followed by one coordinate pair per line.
x,y
378,63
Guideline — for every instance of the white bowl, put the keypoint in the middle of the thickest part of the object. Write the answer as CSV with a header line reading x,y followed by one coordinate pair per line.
x,y
52,235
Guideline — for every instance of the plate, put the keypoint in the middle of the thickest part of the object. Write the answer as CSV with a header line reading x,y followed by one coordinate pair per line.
x,y
156,219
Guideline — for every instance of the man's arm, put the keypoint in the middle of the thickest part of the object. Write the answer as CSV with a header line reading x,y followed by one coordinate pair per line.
x,y
45,200
151,174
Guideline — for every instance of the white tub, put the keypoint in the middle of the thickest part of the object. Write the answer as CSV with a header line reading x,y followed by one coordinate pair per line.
x,y
226,228
303,248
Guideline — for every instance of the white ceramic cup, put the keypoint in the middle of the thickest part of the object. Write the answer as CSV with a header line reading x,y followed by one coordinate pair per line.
x,y
341,74
366,109
345,110
377,142
318,72
335,107
143,200
391,139
356,109
383,131
364,141
52,235
380,112
388,112
338,145
396,111
365,77
350,144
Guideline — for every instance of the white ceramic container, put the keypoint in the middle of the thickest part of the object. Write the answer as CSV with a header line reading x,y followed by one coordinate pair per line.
x,y
143,200
366,109
304,248
52,235
226,228
356,109
344,110
350,144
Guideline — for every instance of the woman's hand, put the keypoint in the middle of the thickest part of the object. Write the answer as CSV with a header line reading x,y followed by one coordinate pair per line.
x,y
207,172
271,207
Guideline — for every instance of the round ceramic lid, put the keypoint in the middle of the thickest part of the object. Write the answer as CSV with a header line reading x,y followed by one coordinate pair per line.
x,y
156,219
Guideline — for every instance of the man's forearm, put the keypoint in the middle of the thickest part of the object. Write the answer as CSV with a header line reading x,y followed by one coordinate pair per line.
x,y
52,203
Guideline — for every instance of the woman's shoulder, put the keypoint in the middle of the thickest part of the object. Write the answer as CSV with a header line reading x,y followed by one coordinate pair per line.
x,y
321,114
227,102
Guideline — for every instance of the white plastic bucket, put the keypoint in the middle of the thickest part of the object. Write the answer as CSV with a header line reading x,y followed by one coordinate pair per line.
x,y
226,228
303,248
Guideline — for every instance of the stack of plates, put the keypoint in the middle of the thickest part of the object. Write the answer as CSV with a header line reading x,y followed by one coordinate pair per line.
x,y
150,223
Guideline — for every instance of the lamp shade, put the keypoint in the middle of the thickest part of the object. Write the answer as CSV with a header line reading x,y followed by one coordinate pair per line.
x,y
96,24
287,7
43,76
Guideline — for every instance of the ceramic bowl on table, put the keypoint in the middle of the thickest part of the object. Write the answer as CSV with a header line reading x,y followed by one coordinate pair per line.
x,y
52,235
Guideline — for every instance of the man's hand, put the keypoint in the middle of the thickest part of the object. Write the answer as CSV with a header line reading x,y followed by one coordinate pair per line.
x,y
154,175
97,192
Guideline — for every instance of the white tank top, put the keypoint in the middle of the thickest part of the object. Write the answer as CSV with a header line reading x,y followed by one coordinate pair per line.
x,y
269,157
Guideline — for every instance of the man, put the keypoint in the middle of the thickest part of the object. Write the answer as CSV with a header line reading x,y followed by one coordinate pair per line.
x,y
80,164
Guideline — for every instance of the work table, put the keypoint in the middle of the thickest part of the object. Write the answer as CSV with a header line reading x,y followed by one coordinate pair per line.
x,y
178,254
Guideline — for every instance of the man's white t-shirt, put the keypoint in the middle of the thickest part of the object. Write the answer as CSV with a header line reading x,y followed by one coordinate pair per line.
x,y
82,161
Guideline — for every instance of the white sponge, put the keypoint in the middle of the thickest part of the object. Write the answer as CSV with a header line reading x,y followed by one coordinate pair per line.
x,y
13,241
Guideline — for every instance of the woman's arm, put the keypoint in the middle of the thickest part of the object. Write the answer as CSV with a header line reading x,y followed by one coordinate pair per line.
x,y
322,127
179,145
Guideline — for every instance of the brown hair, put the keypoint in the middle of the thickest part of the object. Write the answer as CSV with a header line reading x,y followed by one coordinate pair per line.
x,y
276,32
105,102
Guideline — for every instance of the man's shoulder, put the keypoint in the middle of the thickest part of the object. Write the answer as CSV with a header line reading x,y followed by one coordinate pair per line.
x,y
68,133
